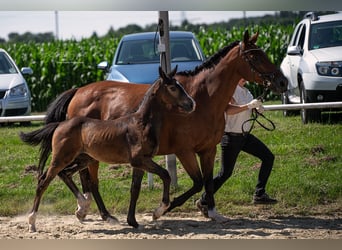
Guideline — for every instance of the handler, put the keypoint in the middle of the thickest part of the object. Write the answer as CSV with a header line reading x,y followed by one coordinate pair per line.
x,y
235,140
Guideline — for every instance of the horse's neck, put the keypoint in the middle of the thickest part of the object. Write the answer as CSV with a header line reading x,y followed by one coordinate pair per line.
x,y
218,83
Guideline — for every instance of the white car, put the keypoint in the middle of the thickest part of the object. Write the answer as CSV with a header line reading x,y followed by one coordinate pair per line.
x,y
313,64
15,96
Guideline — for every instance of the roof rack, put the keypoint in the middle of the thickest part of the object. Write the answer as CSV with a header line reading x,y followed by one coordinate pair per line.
x,y
312,15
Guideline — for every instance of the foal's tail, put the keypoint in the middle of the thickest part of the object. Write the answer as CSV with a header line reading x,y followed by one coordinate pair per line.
x,y
56,113
43,137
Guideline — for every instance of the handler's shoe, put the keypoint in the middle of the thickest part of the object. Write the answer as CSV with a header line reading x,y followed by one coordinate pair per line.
x,y
263,199
203,208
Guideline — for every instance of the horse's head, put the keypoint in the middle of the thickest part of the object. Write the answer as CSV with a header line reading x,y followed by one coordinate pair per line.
x,y
173,93
257,67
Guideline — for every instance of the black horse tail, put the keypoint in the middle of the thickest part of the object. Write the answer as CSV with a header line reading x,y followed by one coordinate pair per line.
x,y
57,110
43,137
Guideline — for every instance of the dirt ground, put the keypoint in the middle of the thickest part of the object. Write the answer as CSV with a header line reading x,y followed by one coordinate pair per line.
x,y
174,226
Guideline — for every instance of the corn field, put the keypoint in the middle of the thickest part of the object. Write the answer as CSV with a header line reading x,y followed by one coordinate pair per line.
x,y
62,65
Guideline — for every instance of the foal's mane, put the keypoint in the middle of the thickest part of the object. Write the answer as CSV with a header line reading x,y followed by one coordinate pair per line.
x,y
150,91
210,62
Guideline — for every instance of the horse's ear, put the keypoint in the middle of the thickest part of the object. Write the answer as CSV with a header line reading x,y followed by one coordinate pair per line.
x,y
246,37
174,71
254,38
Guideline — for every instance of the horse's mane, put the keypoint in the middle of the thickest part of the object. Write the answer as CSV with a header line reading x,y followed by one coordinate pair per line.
x,y
210,62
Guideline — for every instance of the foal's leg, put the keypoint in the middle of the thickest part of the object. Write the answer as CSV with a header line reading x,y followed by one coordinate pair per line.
x,y
43,182
150,166
93,167
82,200
137,176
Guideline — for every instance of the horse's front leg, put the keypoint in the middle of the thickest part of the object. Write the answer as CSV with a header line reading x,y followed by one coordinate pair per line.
x,y
137,176
190,164
207,165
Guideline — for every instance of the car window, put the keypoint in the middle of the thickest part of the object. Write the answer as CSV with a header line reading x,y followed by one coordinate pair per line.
x,y
324,35
302,37
295,36
145,51
6,66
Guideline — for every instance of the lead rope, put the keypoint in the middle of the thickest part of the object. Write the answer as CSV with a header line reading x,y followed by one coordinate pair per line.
x,y
255,115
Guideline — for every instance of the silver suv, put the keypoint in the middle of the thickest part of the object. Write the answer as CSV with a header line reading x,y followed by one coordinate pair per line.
x,y
313,64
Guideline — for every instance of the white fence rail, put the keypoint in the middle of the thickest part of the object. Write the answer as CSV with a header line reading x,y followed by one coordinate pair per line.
x,y
318,105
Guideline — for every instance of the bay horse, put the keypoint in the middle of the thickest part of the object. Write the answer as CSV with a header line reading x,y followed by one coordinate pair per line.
x,y
211,85
132,138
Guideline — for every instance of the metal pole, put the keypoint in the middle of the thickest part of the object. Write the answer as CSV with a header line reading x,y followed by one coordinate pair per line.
x,y
164,49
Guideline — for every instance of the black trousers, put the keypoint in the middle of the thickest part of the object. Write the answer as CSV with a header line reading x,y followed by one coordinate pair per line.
x,y
231,145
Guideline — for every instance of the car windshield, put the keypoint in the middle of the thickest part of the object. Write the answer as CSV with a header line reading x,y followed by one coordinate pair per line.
x,y
6,66
324,35
145,51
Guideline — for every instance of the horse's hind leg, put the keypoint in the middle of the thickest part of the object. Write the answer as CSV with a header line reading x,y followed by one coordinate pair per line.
x,y
43,182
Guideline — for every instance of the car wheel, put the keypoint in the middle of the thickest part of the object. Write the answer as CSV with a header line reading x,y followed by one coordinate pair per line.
x,y
307,115
285,100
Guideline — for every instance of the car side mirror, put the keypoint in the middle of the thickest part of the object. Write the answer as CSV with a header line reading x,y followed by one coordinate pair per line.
x,y
294,51
26,71
103,66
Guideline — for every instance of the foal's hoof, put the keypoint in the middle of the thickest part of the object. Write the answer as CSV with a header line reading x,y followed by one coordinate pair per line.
x,y
32,229
80,215
160,211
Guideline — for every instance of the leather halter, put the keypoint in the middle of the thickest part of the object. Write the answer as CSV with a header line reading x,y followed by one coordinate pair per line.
x,y
267,77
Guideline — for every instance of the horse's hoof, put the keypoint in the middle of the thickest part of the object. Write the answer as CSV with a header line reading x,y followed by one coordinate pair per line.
x,y
112,220
133,223
216,217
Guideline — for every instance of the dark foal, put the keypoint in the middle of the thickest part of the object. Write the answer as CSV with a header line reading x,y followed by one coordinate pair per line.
x,y
133,139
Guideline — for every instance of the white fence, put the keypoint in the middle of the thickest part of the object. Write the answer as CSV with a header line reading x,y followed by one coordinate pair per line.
x,y
318,105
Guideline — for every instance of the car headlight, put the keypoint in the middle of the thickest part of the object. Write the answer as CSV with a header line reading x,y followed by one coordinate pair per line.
x,y
329,68
19,91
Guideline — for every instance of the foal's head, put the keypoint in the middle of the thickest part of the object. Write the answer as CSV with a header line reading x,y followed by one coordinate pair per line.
x,y
172,93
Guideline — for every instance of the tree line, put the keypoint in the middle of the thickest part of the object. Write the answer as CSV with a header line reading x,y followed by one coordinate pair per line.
x,y
281,17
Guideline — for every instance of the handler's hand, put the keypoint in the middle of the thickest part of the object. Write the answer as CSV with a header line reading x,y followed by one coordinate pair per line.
x,y
260,109
255,103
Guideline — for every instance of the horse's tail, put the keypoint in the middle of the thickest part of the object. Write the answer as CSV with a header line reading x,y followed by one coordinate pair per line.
x,y
43,137
57,110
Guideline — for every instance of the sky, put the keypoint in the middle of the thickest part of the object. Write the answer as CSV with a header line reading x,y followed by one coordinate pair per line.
x,y
81,24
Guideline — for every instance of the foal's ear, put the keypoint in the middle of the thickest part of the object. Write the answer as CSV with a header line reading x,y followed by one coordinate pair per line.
x,y
162,73
174,71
